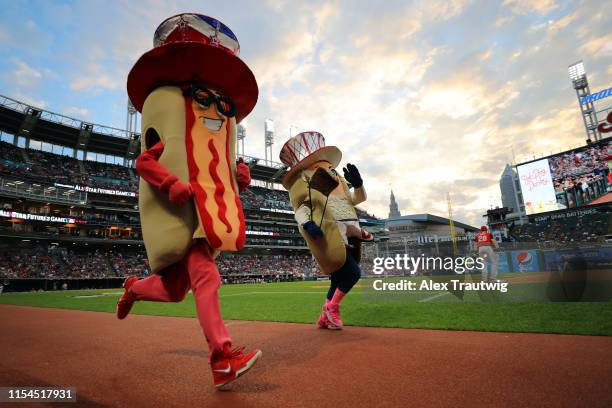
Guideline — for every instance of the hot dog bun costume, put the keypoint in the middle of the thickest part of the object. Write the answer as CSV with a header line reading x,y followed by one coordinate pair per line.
x,y
192,89
319,216
203,158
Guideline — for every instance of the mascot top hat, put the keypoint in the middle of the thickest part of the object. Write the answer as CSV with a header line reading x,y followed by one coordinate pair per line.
x,y
304,149
196,48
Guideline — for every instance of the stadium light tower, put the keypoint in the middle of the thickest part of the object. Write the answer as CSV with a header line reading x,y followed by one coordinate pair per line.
x,y
269,139
131,124
240,135
581,85
133,130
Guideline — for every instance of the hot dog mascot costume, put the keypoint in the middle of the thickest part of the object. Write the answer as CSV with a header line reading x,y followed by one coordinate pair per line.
x,y
327,221
192,89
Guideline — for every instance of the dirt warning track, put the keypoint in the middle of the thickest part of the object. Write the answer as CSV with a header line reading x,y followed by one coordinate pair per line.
x,y
162,362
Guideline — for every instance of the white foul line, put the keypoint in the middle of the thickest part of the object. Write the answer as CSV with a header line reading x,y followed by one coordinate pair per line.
x,y
434,297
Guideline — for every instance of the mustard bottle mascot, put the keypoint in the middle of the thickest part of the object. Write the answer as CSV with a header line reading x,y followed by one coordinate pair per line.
x,y
192,90
327,220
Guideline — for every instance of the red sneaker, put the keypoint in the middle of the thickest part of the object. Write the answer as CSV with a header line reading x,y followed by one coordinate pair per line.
x,y
231,364
324,323
332,311
126,301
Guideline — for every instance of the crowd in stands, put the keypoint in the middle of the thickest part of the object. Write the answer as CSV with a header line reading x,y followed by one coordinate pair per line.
x,y
112,171
578,191
236,264
50,262
579,162
37,165
110,176
11,160
127,264
30,263
583,174
256,197
54,168
590,227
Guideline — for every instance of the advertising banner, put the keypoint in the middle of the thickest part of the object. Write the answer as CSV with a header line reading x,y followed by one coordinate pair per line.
x,y
97,190
502,262
36,217
525,261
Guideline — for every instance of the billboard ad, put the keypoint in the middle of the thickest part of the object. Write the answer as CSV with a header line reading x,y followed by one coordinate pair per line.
x,y
566,180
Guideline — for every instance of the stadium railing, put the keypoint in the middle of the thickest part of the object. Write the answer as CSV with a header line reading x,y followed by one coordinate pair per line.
x,y
24,189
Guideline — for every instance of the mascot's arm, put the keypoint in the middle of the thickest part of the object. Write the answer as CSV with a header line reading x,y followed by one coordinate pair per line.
x,y
149,168
352,175
359,195
154,173
302,214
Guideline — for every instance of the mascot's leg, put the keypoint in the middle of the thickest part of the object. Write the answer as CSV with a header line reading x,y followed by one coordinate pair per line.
x,y
342,281
226,364
205,283
170,287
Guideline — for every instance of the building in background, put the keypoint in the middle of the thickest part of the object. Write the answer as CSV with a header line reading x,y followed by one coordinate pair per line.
x,y
425,228
393,209
511,195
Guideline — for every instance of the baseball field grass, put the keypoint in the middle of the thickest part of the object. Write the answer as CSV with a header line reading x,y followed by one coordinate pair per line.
x,y
300,302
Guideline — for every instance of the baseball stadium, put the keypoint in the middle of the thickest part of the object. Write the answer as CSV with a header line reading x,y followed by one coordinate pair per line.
x,y
130,254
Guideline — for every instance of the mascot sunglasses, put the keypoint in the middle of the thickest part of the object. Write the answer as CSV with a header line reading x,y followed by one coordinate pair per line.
x,y
205,97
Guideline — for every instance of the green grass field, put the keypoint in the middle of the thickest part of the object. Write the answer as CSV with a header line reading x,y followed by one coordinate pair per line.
x,y
300,302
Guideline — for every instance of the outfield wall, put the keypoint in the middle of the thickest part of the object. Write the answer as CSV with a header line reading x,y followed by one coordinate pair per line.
x,y
28,285
527,257
33,284
537,260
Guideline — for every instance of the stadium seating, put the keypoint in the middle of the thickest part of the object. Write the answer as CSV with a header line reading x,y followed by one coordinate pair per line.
x,y
107,219
54,262
51,261
258,197
581,228
36,165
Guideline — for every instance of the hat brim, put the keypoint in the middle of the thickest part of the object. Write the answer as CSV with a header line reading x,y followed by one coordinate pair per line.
x,y
177,63
330,154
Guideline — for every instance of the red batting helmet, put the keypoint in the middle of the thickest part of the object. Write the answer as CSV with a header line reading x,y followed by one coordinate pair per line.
x,y
483,228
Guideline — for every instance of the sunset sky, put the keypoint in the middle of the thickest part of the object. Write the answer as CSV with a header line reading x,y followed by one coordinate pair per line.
x,y
425,97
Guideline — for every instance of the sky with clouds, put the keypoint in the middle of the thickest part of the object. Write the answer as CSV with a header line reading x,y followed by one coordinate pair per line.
x,y
426,97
